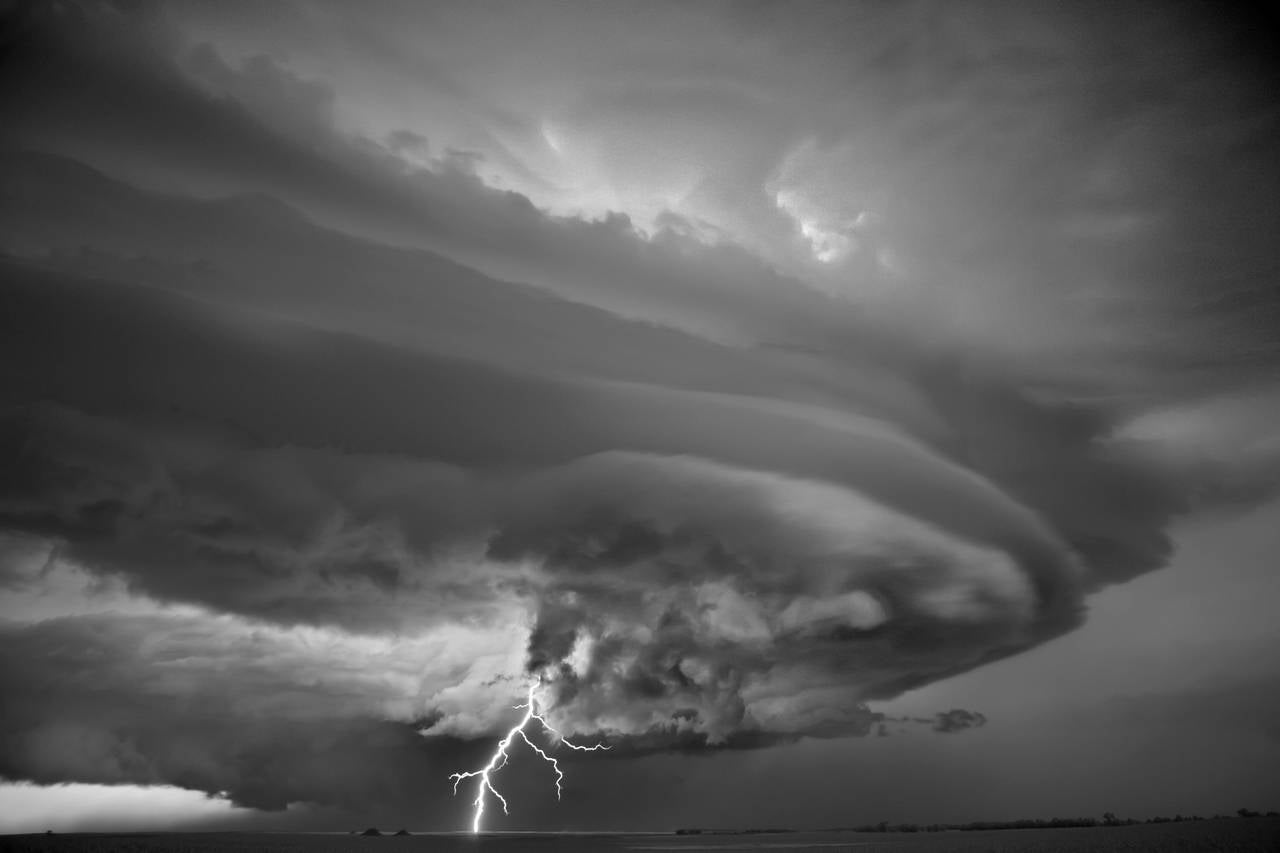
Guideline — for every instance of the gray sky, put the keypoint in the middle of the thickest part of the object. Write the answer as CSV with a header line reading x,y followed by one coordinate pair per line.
x,y
843,411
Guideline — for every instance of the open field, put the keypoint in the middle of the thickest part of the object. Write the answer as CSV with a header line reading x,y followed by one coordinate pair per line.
x,y
1227,836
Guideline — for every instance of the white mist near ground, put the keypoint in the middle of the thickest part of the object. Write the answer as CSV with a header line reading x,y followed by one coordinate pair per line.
x,y
105,808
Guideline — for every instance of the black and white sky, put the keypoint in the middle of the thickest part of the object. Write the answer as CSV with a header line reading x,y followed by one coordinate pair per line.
x,y
846,411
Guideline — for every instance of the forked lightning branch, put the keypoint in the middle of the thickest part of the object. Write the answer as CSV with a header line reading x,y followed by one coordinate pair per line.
x,y
485,786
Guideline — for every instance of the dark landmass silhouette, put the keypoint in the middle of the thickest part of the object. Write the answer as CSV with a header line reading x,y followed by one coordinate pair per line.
x,y
1247,832
1107,819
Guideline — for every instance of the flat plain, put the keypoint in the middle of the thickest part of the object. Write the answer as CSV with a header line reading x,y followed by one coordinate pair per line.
x,y
1257,835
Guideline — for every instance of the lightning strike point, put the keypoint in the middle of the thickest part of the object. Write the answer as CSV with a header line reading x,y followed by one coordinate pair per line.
x,y
500,757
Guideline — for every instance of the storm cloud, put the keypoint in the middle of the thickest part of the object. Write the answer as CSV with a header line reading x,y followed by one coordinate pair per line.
x,y
318,432
721,562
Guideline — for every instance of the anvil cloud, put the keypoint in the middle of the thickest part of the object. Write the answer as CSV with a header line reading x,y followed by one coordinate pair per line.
x,y
331,416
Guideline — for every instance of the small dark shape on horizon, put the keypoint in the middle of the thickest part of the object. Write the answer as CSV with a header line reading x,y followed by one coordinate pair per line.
x,y
957,720
371,832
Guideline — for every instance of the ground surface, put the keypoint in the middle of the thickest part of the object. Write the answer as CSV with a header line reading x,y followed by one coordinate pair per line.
x,y
1228,836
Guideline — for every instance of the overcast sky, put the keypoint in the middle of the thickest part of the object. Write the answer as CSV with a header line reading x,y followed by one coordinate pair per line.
x,y
844,412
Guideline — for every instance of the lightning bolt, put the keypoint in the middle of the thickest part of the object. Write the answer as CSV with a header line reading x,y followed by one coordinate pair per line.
x,y
500,757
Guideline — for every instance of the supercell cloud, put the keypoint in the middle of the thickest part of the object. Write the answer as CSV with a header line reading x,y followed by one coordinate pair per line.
x,y
325,424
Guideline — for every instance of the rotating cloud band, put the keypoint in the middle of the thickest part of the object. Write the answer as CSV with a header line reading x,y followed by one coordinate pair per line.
x,y
499,759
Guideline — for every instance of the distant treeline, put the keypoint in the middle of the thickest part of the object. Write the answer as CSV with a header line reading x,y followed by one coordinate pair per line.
x,y
1107,819
731,831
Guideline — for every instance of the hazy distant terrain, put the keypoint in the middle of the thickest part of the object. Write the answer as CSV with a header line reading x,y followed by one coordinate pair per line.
x,y
1229,836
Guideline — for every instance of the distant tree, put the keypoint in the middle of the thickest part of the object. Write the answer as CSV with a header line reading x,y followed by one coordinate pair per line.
x,y
1110,819
371,832
1247,813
